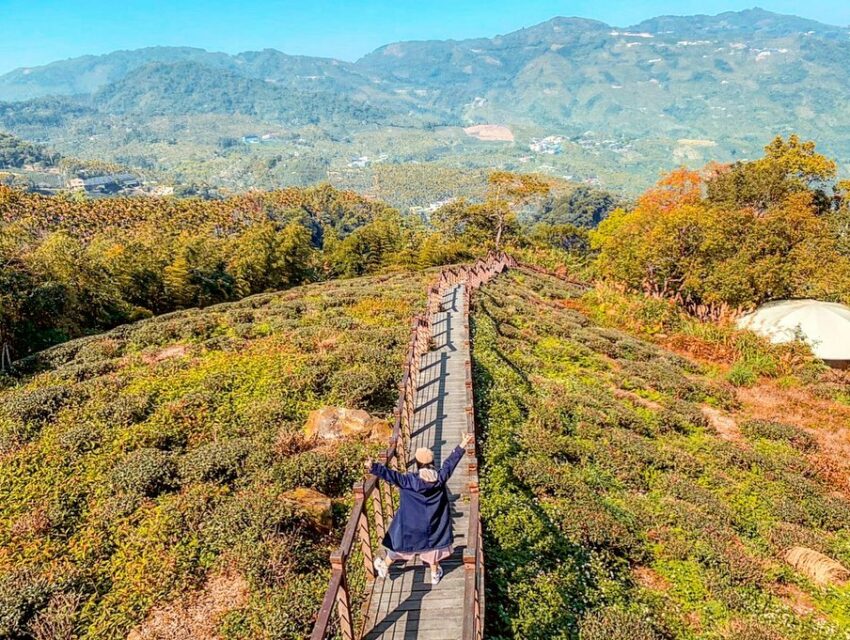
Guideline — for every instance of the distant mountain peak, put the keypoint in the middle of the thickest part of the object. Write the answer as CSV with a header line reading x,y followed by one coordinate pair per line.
x,y
755,20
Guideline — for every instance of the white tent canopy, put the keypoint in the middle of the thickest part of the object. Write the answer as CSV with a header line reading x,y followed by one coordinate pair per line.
x,y
824,325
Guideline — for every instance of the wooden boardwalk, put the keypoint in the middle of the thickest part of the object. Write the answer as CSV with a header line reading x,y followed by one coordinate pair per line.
x,y
405,605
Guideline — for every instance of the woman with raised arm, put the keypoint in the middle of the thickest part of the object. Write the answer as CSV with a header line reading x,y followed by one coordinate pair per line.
x,y
423,523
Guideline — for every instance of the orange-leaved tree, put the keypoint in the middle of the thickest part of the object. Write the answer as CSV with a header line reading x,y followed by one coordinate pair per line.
x,y
734,236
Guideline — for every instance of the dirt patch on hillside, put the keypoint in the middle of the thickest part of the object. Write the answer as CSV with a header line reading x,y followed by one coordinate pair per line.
x,y
797,600
174,351
828,421
650,579
767,401
490,133
723,424
196,616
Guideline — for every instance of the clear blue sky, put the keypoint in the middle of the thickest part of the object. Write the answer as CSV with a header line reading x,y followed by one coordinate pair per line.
x,y
34,32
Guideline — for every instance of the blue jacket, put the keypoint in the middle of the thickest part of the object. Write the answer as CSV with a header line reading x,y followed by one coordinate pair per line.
x,y
423,520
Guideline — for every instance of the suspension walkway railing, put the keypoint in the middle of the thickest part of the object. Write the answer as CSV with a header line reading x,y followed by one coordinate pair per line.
x,y
366,527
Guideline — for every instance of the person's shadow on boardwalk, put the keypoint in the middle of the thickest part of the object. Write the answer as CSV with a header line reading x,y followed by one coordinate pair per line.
x,y
411,607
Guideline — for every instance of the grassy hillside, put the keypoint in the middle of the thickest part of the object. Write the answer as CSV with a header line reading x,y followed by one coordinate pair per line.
x,y
141,470
631,493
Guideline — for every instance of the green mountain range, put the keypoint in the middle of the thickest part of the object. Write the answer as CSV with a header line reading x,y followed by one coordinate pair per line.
x,y
572,97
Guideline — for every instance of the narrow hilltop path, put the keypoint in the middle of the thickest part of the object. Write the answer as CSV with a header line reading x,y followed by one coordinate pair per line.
x,y
434,410
405,605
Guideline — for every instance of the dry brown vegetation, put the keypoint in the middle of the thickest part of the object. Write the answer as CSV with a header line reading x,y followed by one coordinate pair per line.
x,y
195,616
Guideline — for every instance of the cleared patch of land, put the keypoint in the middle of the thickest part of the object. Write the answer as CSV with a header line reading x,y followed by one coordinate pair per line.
x,y
490,133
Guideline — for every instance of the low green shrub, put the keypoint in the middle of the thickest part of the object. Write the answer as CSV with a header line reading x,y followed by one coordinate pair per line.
x,y
783,432
80,438
144,472
254,515
332,469
581,482
214,462
741,374
172,465
35,406
22,593
125,410
617,623
680,416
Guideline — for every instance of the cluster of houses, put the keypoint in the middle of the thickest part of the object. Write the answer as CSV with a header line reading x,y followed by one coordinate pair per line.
x,y
109,183
550,145
256,138
360,162
51,182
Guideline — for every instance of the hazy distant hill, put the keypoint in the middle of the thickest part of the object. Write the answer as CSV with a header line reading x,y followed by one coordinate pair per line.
x,y
617,104
180,88
87,74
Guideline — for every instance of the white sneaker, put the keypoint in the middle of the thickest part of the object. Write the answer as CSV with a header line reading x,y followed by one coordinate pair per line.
x,y
382,568
436,576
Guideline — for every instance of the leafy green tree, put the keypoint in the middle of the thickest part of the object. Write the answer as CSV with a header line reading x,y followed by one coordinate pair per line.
x,y
255,260
438,249
726,251
177,278
562,236
369,248
787,167
93,300
583,207
296,255
489,222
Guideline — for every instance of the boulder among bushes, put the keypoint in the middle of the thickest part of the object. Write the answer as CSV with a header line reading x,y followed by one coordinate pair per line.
x,y
317,506
334,423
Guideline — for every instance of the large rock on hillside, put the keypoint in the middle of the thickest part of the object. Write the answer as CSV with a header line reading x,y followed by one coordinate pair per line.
x,y
335,423
314,504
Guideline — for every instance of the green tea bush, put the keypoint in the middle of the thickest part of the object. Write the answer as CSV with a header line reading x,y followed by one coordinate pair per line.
x,y
144,472
331,469
172,465
81,438
784,535
630,349
22,593
87,370
286,613
754,630
582,483
591,523
36,406
616,623
704,499
661,377
681,416
771,430
214,462
243,523
126,410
